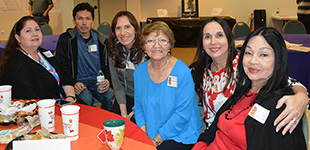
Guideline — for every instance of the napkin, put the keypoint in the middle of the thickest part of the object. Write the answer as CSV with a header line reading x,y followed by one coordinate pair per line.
x,y
24,129
101,136
44,134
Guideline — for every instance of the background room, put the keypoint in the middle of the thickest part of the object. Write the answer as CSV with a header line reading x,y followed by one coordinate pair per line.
x,y
61,15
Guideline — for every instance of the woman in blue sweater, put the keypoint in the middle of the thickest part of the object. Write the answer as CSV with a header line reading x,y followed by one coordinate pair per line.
x,y
165,105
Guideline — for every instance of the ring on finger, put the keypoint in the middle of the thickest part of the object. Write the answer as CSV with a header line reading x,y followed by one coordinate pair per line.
x,y
294,120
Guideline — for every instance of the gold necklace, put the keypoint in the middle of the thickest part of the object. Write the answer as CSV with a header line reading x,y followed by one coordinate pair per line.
x,y
162,69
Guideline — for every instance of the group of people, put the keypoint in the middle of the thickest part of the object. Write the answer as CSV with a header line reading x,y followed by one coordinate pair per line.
x,y
248,99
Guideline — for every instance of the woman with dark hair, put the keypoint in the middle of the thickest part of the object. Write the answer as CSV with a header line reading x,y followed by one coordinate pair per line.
x,y
33,72
216,75
245,121
125,55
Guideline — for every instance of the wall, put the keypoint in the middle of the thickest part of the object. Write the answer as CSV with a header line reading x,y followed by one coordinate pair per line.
x,y
60,18
240,9
134,6
108,9
142,9
67,14
8,17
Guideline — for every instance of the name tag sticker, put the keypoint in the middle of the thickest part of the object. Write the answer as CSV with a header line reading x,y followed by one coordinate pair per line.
x,y
259,113
48,54
130,65
217,87
172,81
92,48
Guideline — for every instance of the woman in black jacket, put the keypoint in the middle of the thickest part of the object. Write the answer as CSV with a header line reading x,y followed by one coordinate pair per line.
x,y
33,72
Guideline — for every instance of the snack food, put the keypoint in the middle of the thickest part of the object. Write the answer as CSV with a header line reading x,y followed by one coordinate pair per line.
x,y
43,134
17,111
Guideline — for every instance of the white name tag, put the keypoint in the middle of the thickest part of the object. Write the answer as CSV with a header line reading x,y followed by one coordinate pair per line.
x,y
48,54
172,81
92,48
259,113
130,65
217,87
59,144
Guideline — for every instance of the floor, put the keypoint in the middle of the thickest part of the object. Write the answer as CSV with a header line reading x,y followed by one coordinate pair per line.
x,y
185,54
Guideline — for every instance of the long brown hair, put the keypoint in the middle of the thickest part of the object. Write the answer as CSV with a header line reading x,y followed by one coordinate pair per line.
x,y
116,48
204,60
12,43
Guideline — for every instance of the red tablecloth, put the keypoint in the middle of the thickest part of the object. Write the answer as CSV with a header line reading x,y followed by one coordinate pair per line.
x,y
90,125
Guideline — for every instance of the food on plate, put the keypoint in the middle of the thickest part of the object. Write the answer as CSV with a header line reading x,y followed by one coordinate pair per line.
x,y
17,111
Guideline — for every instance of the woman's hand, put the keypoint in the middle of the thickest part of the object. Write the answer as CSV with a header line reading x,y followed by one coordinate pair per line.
x,y
123,109
70,99
157,140
130,115
291,115
70,93
143,128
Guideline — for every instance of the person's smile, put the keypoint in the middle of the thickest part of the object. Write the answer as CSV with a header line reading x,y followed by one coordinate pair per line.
x,y
254,70
215,49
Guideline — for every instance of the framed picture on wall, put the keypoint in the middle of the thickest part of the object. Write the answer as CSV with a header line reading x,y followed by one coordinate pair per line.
x,y
189,8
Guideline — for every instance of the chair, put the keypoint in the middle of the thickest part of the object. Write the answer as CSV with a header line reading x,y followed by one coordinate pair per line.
x,y
240,29
306,127
46,29
294,27
104,28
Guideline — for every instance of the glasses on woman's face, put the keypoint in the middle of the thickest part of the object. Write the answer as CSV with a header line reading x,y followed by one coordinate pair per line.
x,y
162,42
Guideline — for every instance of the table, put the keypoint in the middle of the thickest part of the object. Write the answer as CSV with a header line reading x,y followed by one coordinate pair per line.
x,y
49,42
186,30
303,39
299,62
91,120
284,18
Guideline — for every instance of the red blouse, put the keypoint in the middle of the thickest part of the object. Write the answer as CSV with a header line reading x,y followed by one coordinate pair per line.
x,y
231,133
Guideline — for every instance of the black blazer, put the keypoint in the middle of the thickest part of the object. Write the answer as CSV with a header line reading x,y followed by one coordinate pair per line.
x,y
30,80
263,136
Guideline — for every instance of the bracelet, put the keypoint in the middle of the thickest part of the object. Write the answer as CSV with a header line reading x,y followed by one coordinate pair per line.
x,y
74,98
158,143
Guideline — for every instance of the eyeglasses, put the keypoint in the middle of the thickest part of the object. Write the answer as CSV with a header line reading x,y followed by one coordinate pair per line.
x,y
162,42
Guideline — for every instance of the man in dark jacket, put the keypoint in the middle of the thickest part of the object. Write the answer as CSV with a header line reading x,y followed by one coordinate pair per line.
x,y
303,13
84,51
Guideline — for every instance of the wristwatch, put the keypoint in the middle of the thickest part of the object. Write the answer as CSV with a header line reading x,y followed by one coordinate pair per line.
x,y
74,98
158,143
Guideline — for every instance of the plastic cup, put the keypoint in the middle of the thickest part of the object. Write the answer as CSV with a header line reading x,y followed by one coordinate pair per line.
x,y
47,113
6,94
114,133
70,121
